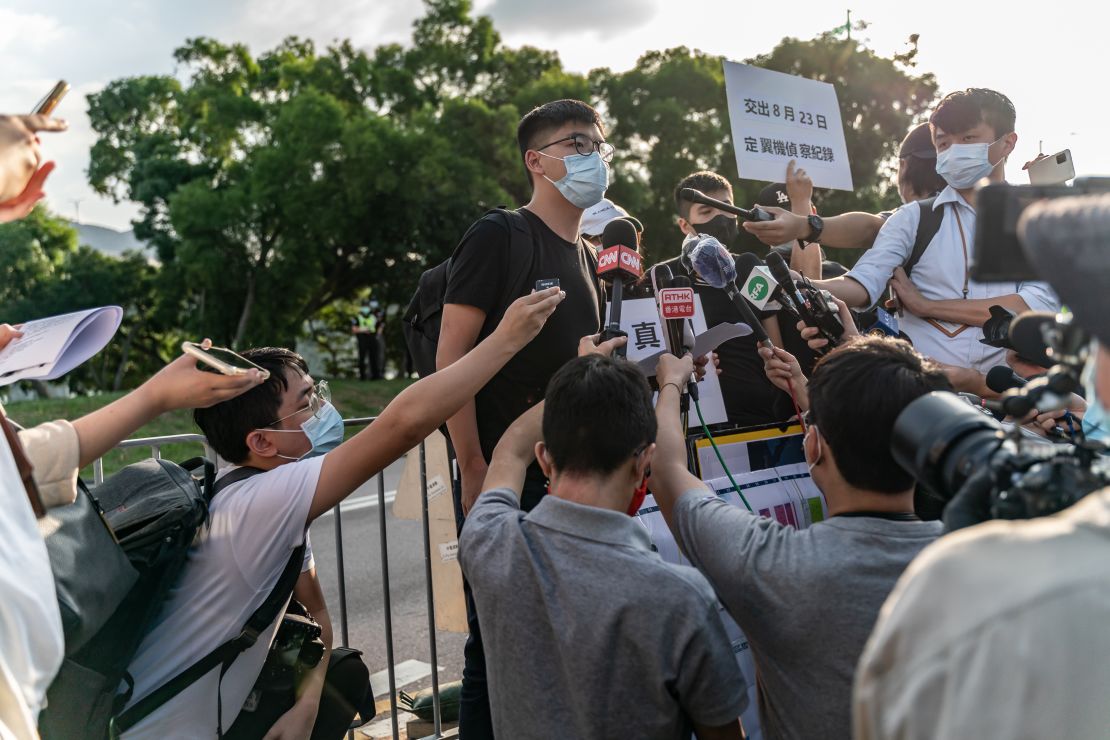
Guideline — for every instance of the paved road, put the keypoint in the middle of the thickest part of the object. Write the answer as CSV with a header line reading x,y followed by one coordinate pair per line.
x,y
362,558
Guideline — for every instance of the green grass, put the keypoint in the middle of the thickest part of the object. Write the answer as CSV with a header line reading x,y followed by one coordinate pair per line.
x,y
353,398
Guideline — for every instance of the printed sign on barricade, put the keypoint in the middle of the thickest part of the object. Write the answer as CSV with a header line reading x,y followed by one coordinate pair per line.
x,y
769,468
776,117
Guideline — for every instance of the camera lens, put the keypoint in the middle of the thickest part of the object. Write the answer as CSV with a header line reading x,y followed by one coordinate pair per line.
x,y
941,440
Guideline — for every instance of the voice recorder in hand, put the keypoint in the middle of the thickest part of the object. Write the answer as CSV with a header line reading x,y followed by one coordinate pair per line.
x,y
545,283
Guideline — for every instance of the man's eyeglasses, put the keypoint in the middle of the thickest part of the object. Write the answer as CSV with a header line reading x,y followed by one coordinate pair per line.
x,y
585,146
320,395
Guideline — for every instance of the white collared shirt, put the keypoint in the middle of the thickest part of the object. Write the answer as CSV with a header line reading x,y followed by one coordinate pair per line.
x,y
939,275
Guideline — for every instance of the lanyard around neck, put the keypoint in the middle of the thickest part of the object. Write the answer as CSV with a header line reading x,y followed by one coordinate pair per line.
x,y
963,243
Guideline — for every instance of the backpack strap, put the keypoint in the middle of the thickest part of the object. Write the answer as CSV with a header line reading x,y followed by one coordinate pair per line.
x,y
927,228
522,256
224,655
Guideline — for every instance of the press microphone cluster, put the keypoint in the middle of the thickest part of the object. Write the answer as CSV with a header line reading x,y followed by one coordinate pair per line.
x,y
815,308
697,196
617,262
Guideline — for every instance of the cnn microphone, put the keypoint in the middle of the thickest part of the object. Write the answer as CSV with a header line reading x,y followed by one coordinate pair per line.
x,y
697,196
618,261
715,266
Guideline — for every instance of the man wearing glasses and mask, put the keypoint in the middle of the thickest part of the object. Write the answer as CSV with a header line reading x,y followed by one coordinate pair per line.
x,y
502,256
288,465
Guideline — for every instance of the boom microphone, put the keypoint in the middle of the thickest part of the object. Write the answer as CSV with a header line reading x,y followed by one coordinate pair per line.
x,y
697,196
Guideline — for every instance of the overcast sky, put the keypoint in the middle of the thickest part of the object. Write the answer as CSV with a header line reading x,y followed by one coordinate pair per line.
x,y
1050,58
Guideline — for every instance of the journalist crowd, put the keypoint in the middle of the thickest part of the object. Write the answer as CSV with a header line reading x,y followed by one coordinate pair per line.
x,y
957,587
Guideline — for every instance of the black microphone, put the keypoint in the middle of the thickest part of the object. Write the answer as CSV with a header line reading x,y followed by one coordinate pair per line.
x,y
1001,379
812,306
697,196
617,261
781,273
715,266
1029,336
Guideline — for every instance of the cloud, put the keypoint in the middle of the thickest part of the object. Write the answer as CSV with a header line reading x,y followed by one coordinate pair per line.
x,y
571,17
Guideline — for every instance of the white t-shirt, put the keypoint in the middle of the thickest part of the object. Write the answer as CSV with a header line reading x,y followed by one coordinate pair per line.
x,y
233,565
31,641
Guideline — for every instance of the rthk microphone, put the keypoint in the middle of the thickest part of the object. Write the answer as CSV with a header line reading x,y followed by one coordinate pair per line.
x,y
618,261
715,266
676,309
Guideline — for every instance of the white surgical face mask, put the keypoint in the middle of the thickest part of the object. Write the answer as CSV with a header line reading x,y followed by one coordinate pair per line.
x,y
963,165
586,180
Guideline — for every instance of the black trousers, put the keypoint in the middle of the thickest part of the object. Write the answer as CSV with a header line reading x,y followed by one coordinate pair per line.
x,y
345,689
475,720
367,355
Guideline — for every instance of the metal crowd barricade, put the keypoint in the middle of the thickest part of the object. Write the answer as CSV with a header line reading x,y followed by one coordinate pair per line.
x,y
157,443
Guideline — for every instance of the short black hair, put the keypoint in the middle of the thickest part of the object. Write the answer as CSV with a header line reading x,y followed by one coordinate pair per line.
x,y
598,413
549,117
855,395
227,424
965,109
921,176
705,181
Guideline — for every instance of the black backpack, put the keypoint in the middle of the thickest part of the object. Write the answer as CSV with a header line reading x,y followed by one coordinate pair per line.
x,y
927,227
422,317
155,508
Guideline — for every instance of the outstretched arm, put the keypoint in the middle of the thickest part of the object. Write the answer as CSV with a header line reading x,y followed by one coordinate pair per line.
x,y
426,404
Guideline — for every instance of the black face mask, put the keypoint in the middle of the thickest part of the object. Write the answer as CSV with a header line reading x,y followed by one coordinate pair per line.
x,y
725,228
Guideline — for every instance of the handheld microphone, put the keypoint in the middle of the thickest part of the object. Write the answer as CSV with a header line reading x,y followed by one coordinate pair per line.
x,y
697,196
759,286
781,273
1001,379
676,308
1029,336
716,267
815,309
618,261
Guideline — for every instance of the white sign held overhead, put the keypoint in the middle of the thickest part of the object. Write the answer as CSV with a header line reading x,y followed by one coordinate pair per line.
x,y
777,117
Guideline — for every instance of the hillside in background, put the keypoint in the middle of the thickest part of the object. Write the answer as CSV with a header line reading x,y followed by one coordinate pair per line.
x,y
107,240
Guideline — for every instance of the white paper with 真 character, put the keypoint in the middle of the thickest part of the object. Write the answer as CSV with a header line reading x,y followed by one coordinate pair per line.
x,y
640,319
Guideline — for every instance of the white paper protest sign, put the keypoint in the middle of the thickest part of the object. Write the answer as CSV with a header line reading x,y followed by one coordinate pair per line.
x,y
777,117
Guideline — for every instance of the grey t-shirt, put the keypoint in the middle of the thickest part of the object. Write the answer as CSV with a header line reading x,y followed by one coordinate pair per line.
x,y
805,598
587,632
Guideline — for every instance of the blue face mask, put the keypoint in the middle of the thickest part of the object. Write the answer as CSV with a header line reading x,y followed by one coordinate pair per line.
x,y
324,431
1095,420
586,180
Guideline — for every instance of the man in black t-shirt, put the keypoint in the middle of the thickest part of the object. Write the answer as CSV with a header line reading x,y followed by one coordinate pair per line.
x,y
750,399
562,145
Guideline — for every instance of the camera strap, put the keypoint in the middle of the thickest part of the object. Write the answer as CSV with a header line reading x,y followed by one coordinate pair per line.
x,y
224,655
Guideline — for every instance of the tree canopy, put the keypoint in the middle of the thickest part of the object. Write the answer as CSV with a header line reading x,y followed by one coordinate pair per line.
x,y
275,185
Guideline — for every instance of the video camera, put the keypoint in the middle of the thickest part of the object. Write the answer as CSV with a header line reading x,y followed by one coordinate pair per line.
x,y
998,255
943,440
